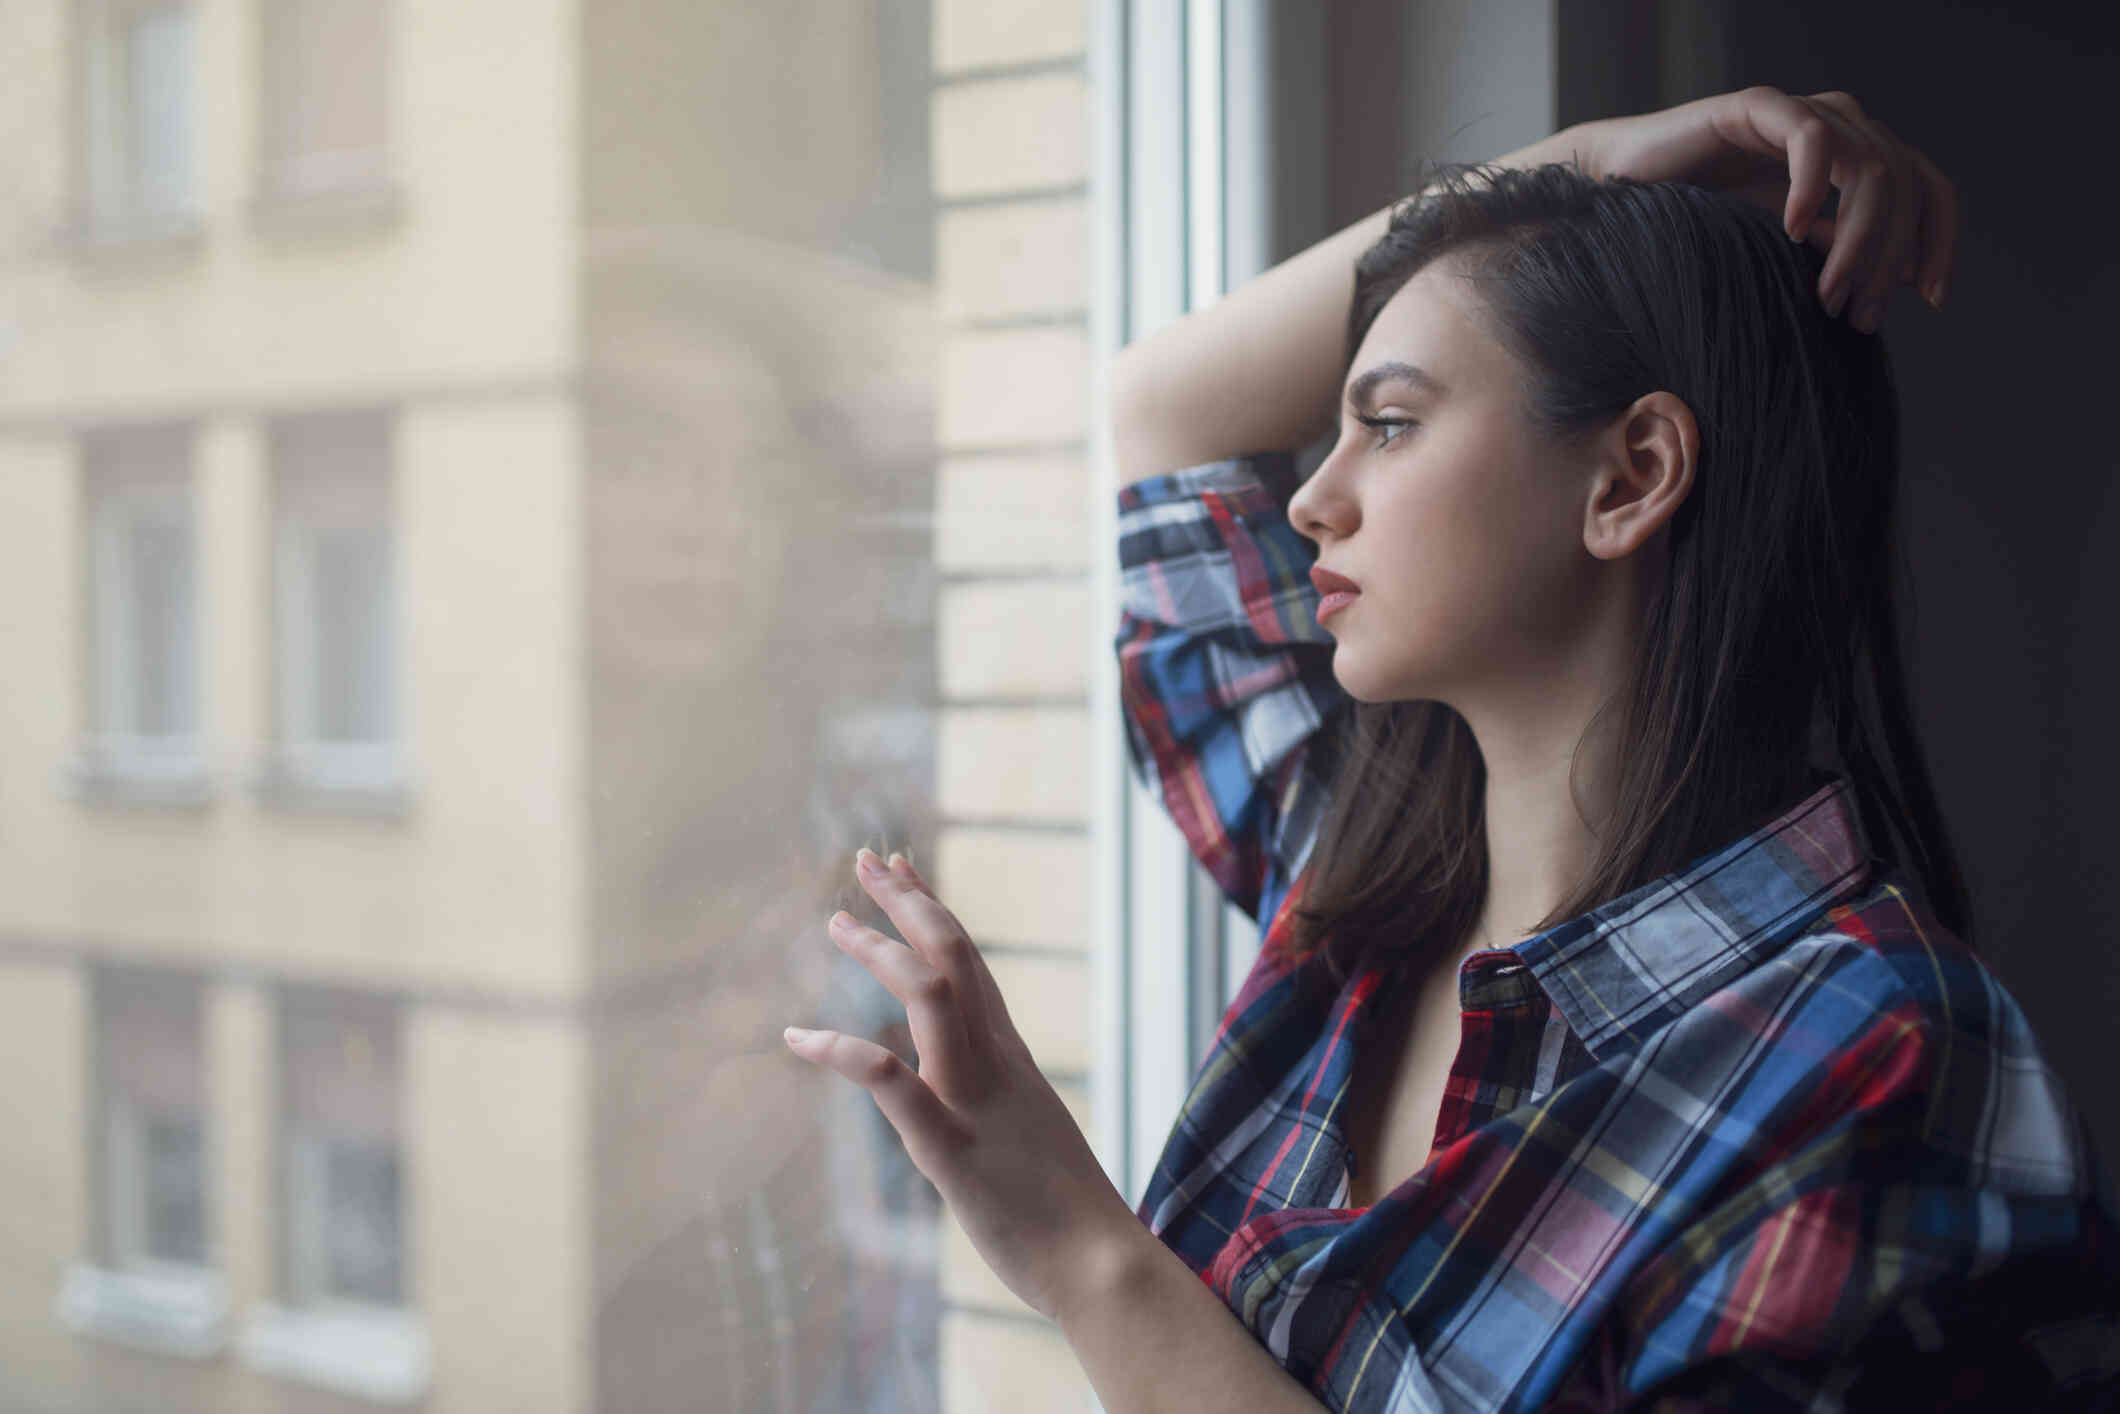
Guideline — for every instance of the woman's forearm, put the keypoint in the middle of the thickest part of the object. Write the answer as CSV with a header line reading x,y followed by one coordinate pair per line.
x,y
1259,369
1154,1340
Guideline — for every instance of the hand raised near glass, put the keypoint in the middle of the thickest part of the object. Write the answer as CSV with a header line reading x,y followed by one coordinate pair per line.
x,y
978,1118
1898,218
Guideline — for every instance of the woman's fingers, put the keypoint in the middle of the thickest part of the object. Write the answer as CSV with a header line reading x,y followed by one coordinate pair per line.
x,y
996,1010
1807,138
928,1127
1860,172
1884,224
1898,216
948,1056
933,932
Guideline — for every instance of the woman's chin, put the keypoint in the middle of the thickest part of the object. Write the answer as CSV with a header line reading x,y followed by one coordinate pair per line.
x,y
1355,683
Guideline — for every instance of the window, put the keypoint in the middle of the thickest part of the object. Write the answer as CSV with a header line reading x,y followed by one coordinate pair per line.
x,y
335,616
149,1282
137,108
325,120
141,655
151,1063
344,1234
344,1319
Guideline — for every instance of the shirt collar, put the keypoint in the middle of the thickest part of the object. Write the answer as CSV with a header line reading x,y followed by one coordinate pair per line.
x,y
1623,969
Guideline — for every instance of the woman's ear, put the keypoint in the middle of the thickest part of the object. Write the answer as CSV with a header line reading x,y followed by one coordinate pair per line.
x,y
1641,472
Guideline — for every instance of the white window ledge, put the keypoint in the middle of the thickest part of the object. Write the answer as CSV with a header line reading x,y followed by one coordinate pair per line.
x,y
281,207
123,236
357,782
106,771
372,1353
181,1311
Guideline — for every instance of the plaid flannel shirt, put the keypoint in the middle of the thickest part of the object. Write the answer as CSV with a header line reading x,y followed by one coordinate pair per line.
x,y
1759,1134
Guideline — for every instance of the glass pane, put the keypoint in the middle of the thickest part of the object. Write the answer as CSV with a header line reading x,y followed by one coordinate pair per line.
x,y
173,1180
158,563
687,485
350,579
159,75
361,1231
327,80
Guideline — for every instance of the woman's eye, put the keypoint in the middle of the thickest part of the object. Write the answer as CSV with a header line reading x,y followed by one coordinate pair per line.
x,y
1379,423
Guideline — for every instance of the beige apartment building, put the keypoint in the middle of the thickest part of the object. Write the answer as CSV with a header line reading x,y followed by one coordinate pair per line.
x,y
497,501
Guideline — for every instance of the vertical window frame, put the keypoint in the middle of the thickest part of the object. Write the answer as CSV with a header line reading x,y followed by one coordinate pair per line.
x,y
302,1161
111,191
122,1241
122,485
1181,200
304,501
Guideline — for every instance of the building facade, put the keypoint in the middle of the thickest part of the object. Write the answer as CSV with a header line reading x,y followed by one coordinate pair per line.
x,y
499,502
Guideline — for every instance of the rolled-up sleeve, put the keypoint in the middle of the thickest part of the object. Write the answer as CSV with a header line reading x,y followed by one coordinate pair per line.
x,y
1225,676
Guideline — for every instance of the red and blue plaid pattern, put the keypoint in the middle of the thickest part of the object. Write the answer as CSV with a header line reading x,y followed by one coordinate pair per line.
x,y
1759,1134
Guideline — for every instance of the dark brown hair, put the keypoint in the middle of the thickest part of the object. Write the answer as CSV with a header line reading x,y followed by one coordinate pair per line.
x,y
1771,654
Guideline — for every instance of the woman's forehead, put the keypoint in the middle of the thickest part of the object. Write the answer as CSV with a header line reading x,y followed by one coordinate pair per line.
x,y
1426,340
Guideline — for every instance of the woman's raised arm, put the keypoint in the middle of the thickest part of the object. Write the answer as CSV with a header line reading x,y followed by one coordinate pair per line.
x,y
1259,369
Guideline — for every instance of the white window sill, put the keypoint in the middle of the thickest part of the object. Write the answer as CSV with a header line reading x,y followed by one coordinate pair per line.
x,y
372,1353
181,1311
356,783
106,773
286,208
130,236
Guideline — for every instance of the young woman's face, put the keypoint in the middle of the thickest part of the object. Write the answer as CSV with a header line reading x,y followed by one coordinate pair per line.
x,y
1462,528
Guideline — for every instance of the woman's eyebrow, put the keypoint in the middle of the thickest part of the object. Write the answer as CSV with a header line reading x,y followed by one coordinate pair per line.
x,y
1363,387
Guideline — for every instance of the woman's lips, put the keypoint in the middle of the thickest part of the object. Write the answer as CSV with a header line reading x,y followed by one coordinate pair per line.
x,y
1336,601
1338,589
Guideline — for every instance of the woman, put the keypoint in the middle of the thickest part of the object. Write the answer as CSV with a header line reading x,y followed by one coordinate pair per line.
x,y
1615,1040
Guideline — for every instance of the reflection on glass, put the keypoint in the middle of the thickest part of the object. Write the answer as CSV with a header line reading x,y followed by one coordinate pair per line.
x,y
480,640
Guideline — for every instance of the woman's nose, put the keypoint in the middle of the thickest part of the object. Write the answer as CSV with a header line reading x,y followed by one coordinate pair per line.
x,y
1315,510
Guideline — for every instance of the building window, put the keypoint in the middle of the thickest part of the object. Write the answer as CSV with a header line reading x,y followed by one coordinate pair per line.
x,y
335,604
137,108
141,577
325,126
149,1283
343,1209
344,1320
152,1066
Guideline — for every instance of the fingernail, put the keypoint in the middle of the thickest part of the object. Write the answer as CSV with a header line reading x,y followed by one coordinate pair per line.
x,y
1929,292
898,862
865,860
796,1035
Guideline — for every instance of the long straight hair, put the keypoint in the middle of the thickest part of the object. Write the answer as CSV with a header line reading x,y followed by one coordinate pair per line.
x,y
1770,655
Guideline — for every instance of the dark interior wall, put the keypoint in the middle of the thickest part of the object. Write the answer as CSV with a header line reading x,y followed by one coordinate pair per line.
x,y
2010,507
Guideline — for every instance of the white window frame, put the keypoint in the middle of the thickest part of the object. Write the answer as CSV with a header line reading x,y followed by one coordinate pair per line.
x,y
1180,197
114,757
112,190
125,1186
308,1220
284,175
311,1335
131,1296
301,758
